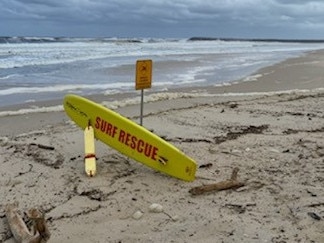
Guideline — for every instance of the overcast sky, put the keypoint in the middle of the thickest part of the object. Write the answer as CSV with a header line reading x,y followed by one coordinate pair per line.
x,y
290,19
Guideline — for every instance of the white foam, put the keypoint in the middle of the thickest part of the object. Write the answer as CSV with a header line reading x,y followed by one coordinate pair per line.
x,y
252,77
152,98
270,93
31,110
10,76
62,88
105,66
33,54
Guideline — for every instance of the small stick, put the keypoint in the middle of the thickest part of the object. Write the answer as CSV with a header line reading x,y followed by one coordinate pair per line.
x,y
231,183
315,204
42,146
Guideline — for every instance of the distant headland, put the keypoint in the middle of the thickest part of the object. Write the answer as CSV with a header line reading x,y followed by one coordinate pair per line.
x,y
257,39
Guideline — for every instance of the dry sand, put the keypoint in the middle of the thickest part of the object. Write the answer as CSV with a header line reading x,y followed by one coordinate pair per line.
x,y
275,139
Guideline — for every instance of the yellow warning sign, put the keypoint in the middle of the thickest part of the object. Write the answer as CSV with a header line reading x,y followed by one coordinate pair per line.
x,y
143,74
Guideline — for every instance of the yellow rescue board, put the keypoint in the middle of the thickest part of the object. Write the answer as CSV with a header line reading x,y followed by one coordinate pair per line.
x,y
89,151
130,138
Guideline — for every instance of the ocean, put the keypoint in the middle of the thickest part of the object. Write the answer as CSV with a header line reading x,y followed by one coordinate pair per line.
x,y
37,69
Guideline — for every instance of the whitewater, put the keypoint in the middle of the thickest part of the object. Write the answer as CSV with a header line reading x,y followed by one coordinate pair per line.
x,y
38,69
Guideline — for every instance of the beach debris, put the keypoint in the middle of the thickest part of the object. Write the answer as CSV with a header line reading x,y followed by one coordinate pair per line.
x,y
314,215
239,208
233,105
137,215
175,218
4,141
231,135
311,193
243,130
315,204
273,150
25,172
230,153
39,223
50,157
231,183
156,208
208,165
19,229
42,146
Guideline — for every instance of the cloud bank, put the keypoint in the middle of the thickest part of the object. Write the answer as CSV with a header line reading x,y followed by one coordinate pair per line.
x,y
164,18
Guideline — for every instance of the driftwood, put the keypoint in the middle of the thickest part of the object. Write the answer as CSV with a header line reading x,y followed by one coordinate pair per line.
x,y
42,146
231,183
39,223
20,231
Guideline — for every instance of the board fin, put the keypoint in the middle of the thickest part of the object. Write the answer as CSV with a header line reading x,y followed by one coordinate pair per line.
x,y
89,150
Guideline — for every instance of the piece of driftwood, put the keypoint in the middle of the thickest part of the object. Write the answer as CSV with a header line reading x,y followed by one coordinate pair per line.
x,y
20,230
42,146
231,183
39,223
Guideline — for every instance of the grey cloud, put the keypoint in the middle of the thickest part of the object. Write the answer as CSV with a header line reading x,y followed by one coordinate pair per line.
x,y
230,17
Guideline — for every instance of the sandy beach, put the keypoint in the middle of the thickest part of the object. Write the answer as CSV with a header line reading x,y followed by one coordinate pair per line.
x,y
270,127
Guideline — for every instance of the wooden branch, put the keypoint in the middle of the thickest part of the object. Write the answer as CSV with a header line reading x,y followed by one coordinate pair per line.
x,y
17,225
42,146
223,185
231,183
39,223
19,229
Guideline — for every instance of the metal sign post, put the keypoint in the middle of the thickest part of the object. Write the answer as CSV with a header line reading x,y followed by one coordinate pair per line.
x,y
142,107
143,80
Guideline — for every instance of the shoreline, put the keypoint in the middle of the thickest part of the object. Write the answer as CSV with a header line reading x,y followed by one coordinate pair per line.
x,y
265,80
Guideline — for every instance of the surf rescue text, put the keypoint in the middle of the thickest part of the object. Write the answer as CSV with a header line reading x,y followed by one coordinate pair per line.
x,y
124,137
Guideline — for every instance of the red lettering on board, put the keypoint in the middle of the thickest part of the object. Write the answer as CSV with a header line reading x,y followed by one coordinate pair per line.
x,y
140,145
154,153
98,120
105,127
147,150
133,144
114,131
121,136
109,128
128,139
